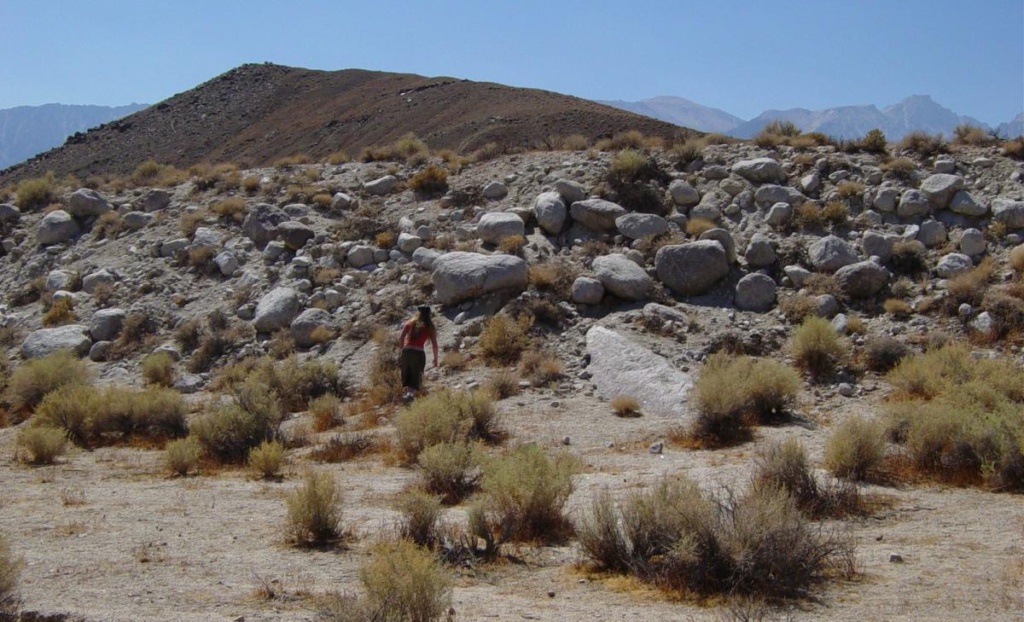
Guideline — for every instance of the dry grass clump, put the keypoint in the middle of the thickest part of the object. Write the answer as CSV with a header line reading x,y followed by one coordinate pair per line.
x,y
35,194
897,307
776,132
809,216
1016,260
267,459
420,514
44,444
92,416
345,447
541,368
314,511
230,430
231,208
326,411
903,169
252,184
189,221
908,257
967,134
34,379
555,276
817,348
630,139
837,213
158,369
960,418
734,392
182,455
856,448
503,340
969,286
503,384
923,144
784,466
61,312
1014,148
10,573
883,353
522,499
432,180
295,384
384,384
512,245
625,406
681,539
451,469
572,142
447,416
405,582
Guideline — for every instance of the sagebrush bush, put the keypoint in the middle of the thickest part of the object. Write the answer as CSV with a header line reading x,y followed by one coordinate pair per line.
x,y
856,448
1014,148
420,513
523,497
405,582
503,340
44,444
908,257
267,459
681,539
344,447
817,348
625,406
158,368
883,353
451,469
231,208
904,169
969,286
35,194
923,144
229,431
314,511
432,180
10,573
93,415
326,411
541,368
447,416
734,392
182,455
61,312
503,384
33,379
874,142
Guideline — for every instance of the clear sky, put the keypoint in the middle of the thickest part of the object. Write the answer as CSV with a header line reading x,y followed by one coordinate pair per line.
x,y
743,56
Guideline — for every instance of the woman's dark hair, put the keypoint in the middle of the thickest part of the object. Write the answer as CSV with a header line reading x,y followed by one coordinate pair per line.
x,y
422,320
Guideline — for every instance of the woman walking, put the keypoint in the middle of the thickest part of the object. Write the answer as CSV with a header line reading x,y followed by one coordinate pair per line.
x,y
415,335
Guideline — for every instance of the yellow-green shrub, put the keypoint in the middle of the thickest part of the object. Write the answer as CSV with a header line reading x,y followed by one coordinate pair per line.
x,y
405,582
816,347
856,448
35,194
503,340
314,511
33,379
43,444
267,459
182,455
10,572
446,416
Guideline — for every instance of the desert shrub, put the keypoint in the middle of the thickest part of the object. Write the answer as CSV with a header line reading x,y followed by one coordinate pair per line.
x,y
960,418
897,307
874,142
856,448
908,257
967,134
231,208
411,148
785,466
451,469
540,367
267,459
503,384
35,194
1016,260
326,411
553,276
43,443
108,225
630,139
158,369
432,180
420,513
809,216
314,511
903,169
455,360
969,286
190,221
836,213
630,166
344,447
300,383
625,406
817,348
503,340
10,573
187,334
228,432
883,353
89,415
182,455
733,393
512,245
523,496
33,379
61,312
446,416
405,582
252,184
572,142
1014,148
797,307
384,384
923,144
681,539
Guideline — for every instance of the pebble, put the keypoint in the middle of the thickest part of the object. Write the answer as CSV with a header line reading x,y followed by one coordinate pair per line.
x,y
656,448
895,558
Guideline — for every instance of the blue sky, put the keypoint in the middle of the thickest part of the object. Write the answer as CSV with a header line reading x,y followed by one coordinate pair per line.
x,y
743,56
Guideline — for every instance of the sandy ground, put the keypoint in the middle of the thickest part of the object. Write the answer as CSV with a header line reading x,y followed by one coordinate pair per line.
x,y
107,536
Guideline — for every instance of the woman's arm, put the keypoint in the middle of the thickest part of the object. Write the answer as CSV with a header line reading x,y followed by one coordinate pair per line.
x,y
401,336
433,344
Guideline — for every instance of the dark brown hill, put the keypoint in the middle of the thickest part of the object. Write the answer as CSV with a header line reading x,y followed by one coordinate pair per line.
x,y
255,114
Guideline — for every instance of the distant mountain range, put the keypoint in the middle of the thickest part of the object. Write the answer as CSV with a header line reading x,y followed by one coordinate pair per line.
x,y
915,113
28,130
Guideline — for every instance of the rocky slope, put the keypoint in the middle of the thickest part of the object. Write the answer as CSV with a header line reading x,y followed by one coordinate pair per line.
x,y
256,114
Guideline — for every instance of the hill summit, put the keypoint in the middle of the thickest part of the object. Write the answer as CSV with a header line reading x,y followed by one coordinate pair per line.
x,y
257,113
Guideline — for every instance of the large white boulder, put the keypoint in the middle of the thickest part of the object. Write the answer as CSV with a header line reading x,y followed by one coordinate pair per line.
x,y
462,276
759,170
550,211
596,214
276,310
691,269
496,226
45,341
622,277
56,227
